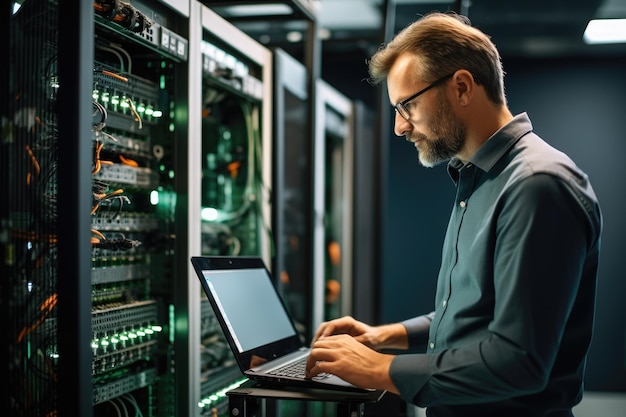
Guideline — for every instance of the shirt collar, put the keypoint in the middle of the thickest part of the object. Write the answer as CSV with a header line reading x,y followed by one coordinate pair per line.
x,y
495,147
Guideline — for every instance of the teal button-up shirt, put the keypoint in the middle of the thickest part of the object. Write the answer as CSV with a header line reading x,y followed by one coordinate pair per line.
x,y
515,297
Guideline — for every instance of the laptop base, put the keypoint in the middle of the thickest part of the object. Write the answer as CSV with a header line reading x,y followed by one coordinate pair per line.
x,y
243,400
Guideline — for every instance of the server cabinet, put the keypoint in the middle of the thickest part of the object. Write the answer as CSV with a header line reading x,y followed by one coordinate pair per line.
x,y
295,74
366,214
33,243
333,203
293,188
139,133
234,180
93,228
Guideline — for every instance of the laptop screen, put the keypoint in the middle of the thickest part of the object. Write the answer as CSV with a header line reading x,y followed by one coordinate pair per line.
x,y
249,306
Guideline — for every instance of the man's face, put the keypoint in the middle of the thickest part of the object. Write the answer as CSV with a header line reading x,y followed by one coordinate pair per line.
x,y
443,135
432,126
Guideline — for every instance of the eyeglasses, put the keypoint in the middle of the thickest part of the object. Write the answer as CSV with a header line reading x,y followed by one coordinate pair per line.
x,y
401,107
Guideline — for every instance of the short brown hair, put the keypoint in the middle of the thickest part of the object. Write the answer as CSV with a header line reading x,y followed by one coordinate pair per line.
x,y
444,43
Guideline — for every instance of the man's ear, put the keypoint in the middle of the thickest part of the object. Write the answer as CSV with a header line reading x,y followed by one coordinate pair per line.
x,y
465,86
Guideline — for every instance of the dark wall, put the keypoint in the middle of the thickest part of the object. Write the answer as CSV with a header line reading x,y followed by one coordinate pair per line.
x,y
578,106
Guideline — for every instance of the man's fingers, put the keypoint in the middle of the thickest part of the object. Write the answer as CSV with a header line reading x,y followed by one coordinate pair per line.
x,y
325,350
323,331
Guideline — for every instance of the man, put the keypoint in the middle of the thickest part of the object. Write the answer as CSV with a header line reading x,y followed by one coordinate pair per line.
x,y
515,296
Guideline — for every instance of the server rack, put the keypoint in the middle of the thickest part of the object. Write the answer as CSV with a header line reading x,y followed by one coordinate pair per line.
x,y
36,275
366,215
314,191
293,187
93,118
235,187
296,72
333,204
140,60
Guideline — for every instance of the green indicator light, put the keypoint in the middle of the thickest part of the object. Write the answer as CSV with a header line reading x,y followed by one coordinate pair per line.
x,y
140,333
104,342
115,340
132,335
171,318
94,345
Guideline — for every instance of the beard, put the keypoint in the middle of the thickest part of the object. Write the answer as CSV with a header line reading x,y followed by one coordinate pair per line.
x,y
446,138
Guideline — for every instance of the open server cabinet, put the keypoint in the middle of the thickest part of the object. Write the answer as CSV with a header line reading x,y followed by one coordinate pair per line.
x,y
230,202
95,134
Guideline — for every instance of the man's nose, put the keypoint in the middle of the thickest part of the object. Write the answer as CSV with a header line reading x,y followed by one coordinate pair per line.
x,y
401,125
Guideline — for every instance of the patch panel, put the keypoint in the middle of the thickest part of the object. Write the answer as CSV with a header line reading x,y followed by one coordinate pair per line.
x,y
112,320
122,142
110,81
138,222
124,384
122,174
124,348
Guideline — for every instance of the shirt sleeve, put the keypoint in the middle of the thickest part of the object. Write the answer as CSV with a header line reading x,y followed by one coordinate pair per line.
x,y
417,329
542,238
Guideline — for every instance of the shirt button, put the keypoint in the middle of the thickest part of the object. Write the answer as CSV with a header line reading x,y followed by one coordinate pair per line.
x,y
431,345
462,204
444,303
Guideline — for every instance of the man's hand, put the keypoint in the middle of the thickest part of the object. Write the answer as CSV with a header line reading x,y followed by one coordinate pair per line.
x,y
342,355
390,336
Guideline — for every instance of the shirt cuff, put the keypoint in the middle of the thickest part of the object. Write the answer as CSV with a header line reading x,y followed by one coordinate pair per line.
x,y
409,373
417,329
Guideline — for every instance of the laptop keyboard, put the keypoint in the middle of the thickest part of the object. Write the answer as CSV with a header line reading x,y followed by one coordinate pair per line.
x,y
296,369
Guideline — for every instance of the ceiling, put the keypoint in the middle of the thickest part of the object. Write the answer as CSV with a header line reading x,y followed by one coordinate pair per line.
x,y
522,28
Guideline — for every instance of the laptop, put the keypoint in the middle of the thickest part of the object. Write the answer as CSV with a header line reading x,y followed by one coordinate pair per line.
x,y
256,324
